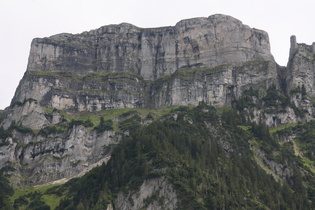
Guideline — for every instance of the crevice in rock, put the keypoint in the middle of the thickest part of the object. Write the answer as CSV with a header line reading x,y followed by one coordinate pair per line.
x,y
282,74
157,51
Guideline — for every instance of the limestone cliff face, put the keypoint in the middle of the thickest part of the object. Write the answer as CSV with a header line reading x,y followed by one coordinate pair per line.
x,y
152,53
40,159
122,66
299,75
301,67
217,86
90,92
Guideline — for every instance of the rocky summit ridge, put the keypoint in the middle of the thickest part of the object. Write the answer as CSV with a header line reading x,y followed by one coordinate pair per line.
x,y
120,66
153,52
216,60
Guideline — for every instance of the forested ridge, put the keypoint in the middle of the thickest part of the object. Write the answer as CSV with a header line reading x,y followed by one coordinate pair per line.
x,y
208,155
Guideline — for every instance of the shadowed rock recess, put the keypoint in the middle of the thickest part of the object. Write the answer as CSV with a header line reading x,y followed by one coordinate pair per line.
x,y
82,94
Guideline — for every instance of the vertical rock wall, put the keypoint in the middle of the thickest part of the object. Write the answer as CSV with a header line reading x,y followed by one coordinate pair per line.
x,y
301,67
153,52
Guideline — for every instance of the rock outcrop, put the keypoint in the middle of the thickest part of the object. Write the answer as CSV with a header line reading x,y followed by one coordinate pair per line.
x,y
41,159
217,86
89,92
153,194
152,53
123,66
301,67
29,114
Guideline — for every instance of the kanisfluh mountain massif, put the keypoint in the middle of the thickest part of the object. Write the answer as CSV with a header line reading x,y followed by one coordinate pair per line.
x,y
193,116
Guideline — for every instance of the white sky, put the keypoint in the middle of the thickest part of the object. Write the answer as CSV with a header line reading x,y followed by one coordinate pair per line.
x,y
23,20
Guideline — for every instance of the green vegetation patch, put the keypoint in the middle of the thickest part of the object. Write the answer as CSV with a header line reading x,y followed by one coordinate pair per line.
x,y
188,74
158,84
92,76
191,73
57,74
36,197
51,200
282,127
307,163
260,64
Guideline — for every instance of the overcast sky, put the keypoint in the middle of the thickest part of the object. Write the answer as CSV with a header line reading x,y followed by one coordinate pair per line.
x,y
23,20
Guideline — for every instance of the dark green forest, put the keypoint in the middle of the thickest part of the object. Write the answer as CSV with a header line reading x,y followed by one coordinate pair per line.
x,y
206,154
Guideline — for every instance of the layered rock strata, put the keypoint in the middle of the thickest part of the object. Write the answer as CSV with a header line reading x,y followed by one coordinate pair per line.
x,y
120,66
152,53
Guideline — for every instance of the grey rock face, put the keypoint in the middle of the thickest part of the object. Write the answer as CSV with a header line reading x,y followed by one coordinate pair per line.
x,y
28,114
151,190
154,52
217,86
91,92
287,116
56,156
301,67
110,67
279,169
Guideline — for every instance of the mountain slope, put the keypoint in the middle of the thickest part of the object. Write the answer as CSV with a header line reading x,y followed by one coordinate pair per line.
x,y
192,159
194,116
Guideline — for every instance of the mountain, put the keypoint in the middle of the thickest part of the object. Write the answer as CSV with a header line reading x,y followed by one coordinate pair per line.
x,y
123,66
197,115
